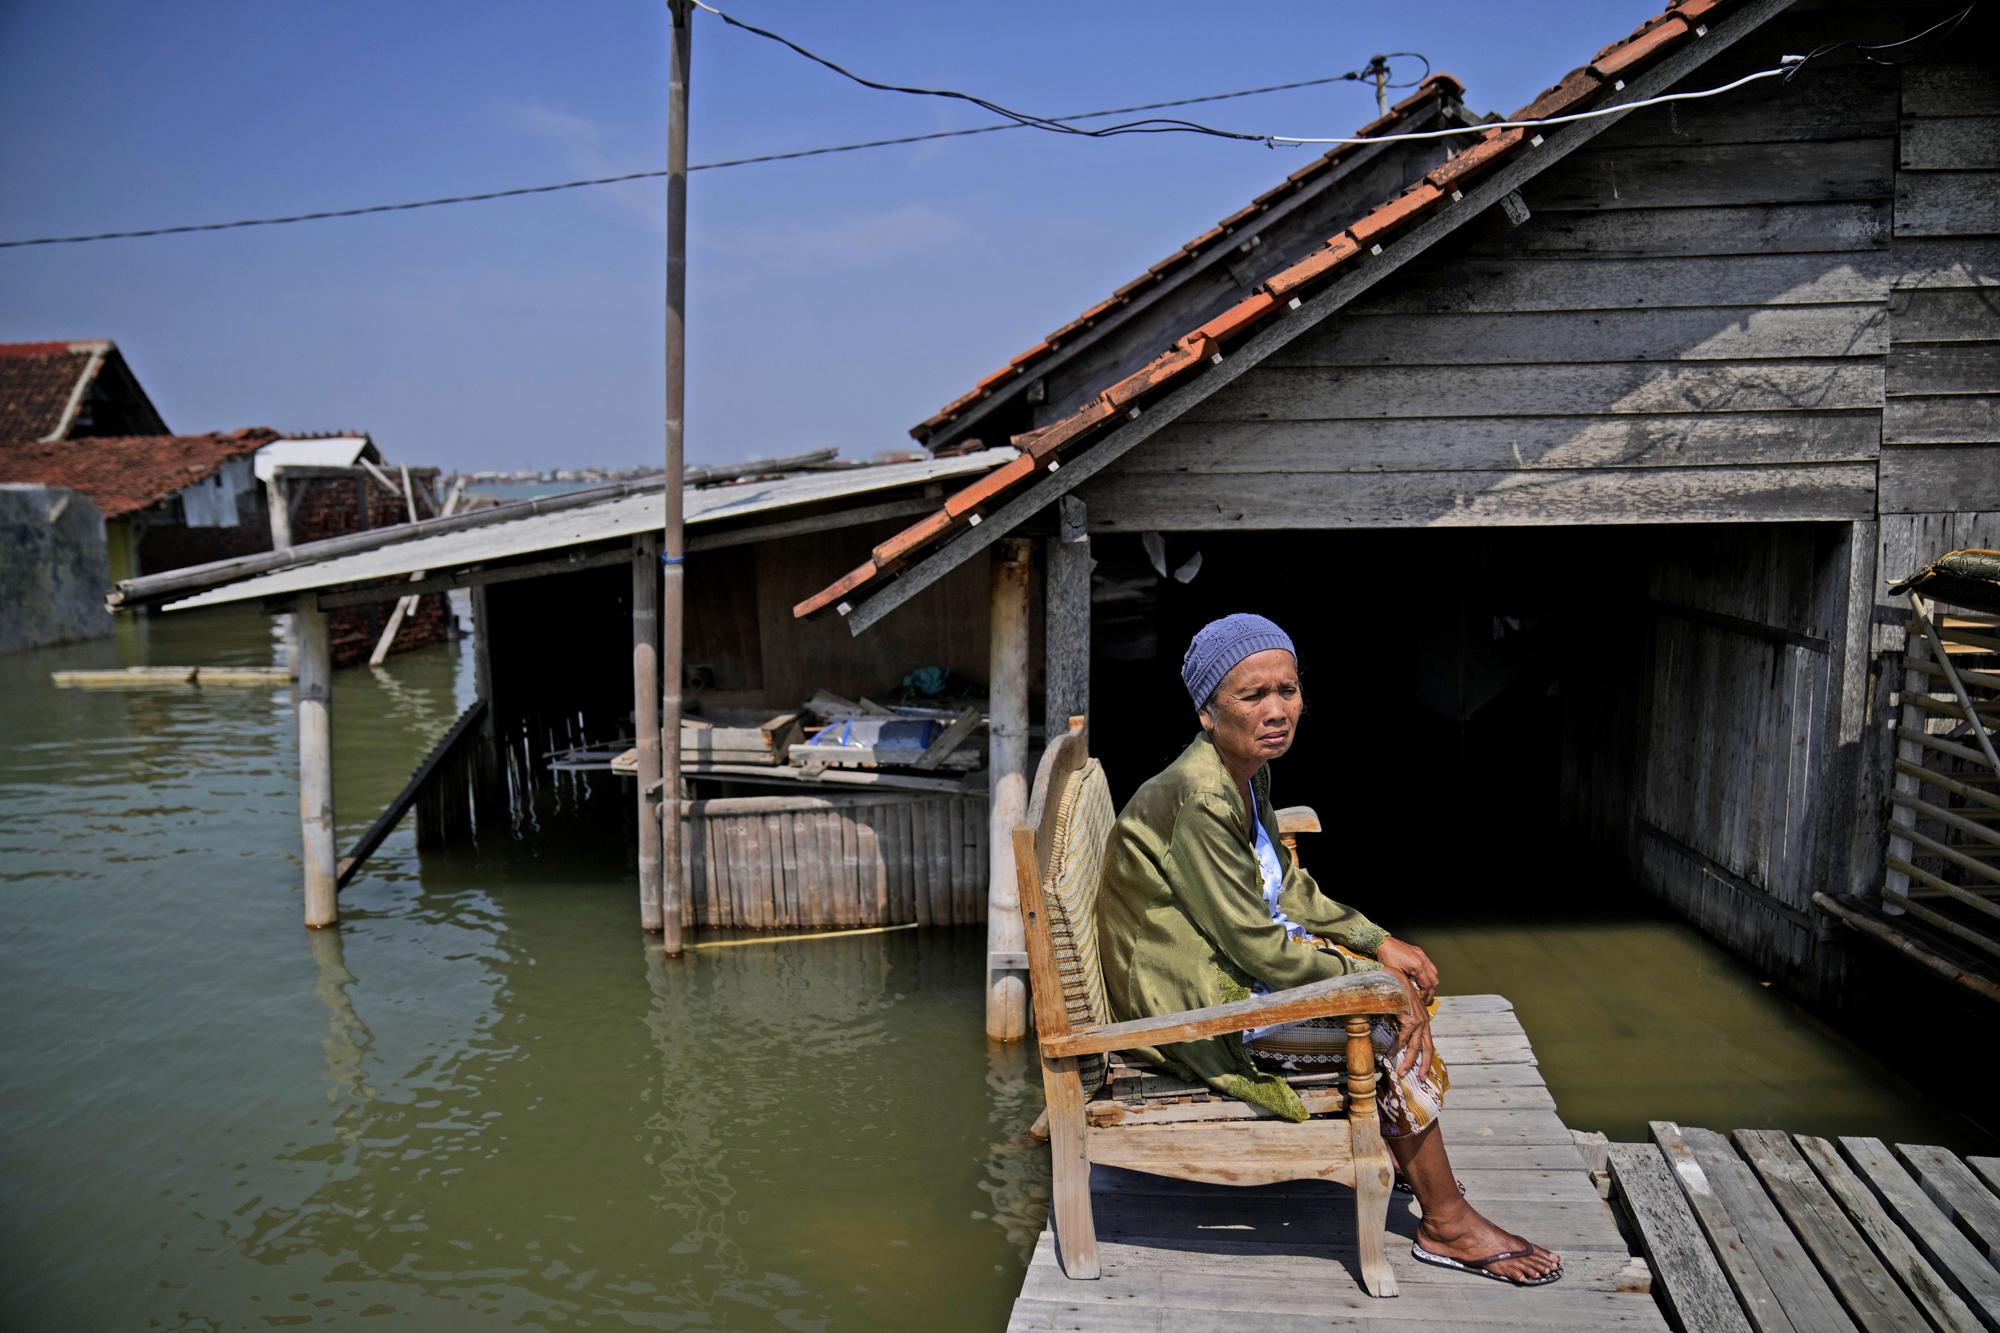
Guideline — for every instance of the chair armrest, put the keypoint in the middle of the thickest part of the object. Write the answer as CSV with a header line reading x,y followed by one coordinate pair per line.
x,y
1296,819
1356,993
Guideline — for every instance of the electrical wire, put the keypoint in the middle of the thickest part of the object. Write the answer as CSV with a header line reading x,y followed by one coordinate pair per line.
x,y
1350,76
1950,25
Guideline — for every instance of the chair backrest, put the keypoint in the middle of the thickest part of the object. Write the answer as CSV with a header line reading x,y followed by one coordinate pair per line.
x,y
1071,813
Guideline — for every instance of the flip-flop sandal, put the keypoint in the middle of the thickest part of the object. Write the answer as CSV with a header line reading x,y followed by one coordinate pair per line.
x,y
1403,1186
1483,1267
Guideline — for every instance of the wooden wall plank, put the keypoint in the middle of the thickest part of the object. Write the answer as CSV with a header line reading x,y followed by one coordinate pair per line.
x,y
1634,233
1960,143
1950,90
1947,203
1857,101
1709,174
1309,393
1473,444
1837,491
1945,367
1968,419
1727,333
1553,283
1945,315
1916,478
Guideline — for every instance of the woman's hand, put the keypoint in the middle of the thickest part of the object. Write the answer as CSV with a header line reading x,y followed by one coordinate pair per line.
x,y
1406,958
1413,1045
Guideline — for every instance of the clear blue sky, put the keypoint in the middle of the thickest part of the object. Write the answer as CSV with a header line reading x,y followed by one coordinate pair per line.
x,y
833,302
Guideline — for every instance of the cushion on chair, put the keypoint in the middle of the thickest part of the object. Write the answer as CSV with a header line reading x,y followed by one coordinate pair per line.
x,y
1083,821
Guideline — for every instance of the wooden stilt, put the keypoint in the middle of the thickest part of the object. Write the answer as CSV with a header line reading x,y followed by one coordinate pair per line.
x,y
646,721
1007,804
315,708
1066,620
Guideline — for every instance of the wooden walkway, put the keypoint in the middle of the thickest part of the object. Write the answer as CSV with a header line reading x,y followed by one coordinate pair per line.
x,y
1186,1257
1786,1233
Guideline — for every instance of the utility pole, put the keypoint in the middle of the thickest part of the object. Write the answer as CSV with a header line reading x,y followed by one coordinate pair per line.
x,y
1378,70
672,547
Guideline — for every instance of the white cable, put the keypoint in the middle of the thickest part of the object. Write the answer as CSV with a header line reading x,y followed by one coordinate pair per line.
x,y
1619,109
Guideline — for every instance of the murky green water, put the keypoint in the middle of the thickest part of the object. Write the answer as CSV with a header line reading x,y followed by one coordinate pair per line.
x,y
485,1102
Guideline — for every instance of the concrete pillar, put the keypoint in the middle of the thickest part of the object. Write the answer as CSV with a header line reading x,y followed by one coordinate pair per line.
x,y
646,722
1007,766
315,708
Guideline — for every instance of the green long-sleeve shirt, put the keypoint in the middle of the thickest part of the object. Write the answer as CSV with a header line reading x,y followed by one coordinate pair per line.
x,y
1182,923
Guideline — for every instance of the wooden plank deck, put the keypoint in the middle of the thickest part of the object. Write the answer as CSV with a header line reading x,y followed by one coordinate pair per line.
x,y
1810,1235
1186,1257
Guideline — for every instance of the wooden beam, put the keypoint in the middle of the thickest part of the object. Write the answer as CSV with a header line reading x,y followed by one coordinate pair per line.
x,y
1883,933
474,578
1066,618
801,527
393,812
1524,165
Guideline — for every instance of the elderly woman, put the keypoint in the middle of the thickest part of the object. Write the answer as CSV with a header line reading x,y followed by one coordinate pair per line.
x,y
1201,903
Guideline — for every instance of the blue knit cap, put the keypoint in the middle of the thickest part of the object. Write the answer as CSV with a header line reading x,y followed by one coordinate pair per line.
x,y
1221,644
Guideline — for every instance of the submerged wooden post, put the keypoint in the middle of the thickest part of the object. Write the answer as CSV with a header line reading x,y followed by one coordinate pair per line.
x,y
315,707
1007,802
646,721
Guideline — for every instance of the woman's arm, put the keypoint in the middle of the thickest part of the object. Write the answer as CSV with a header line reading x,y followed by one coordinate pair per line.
x,y
1306,904
1216,881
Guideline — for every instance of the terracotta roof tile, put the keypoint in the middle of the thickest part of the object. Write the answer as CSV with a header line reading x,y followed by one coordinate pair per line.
x,y
1643,46
1379,225
37,381
1041,443
925,528
1432,89
124,474
1323,260
1396,214
834,591
970,497
1575,85
1452,174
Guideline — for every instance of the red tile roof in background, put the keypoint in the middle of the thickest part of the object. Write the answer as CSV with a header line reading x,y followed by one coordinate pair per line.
x,y
124,474
1431,89
37,383
1378,227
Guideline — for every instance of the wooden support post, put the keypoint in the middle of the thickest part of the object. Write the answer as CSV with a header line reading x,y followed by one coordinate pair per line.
x,y
673,893
1066,620
315,709
1007,789
646,720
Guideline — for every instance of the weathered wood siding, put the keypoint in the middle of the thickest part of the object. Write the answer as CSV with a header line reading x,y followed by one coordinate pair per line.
x,y
811,862
1691,327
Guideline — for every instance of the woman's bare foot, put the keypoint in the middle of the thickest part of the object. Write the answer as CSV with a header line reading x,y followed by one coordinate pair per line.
x,y
1454,1228
1465,1234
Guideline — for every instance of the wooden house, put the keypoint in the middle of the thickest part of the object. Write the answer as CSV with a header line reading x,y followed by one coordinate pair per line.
x,y
1577,460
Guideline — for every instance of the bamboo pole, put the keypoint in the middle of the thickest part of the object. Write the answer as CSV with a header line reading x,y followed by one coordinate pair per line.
x,y
1007,800
1895,939
673,547
315,709
1923,611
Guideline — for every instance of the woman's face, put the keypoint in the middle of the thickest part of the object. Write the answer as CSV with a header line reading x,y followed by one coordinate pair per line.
x,y
1254,716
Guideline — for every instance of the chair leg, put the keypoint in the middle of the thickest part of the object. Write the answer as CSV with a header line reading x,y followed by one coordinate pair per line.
x,y
1374,1173
1069,1155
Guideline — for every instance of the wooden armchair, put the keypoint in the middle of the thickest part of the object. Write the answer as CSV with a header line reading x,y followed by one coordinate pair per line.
x,y
1106,1112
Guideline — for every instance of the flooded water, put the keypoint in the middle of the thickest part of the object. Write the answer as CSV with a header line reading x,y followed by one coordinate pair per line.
x,y
484,1100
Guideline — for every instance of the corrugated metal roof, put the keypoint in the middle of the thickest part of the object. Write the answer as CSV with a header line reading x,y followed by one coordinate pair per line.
x,y
623,516
317,451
